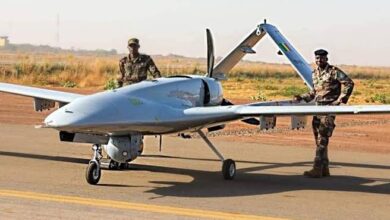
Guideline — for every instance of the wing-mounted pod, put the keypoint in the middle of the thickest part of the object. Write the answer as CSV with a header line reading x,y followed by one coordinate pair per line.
x,y
44,99
298,122
45,104
267,122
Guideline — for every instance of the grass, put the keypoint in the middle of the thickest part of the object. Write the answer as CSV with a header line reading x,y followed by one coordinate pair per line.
x,y
247,81
381,98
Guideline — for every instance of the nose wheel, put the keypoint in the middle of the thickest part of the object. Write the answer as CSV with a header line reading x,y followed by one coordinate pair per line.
x,y
93,172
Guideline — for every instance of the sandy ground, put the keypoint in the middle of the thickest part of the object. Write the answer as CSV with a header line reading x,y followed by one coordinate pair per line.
x,y
42,178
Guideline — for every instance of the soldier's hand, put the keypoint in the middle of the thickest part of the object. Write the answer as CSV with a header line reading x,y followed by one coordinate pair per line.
x,y
297,98
344,100
337,102
131,79
128,79
119,83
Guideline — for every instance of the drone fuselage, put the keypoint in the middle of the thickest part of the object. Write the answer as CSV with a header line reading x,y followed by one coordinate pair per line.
x,y
149,107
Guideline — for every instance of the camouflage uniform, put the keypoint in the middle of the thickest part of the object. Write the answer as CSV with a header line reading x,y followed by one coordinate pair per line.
x,y
133,71
327,91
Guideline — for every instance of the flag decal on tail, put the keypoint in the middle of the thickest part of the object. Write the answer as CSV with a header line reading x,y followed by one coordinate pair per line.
x,y
284,47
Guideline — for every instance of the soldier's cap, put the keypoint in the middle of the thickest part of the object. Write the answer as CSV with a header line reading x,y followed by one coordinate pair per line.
x,y
321,52
133,41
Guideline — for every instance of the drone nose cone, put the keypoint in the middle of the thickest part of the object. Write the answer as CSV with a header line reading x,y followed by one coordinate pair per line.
x,y
62,118
90,111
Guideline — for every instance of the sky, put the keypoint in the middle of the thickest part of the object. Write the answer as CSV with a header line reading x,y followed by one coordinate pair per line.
x,y
355,32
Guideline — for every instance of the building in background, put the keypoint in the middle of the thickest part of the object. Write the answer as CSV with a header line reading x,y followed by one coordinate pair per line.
x,y
4,41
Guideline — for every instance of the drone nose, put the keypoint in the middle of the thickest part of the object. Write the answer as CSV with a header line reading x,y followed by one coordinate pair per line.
x,y
86,112
61,118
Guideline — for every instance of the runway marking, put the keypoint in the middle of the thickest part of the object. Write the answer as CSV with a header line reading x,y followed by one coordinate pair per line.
x,y
130,206
375,183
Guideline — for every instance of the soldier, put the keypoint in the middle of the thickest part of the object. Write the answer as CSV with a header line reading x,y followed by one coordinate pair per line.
x,y
133,68
327,81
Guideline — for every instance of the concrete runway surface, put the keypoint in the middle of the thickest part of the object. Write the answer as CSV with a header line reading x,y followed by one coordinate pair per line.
x,y
42,178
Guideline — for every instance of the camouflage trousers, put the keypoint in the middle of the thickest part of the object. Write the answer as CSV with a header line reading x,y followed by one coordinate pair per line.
x,y
323,127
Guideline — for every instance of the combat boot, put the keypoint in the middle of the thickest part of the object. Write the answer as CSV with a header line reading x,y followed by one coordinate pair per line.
x,y
325,171
316,172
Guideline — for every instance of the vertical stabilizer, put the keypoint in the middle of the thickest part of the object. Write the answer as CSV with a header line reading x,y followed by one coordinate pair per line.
x,y
298,62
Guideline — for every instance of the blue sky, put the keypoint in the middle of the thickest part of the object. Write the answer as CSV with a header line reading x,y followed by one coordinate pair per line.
x,y
354,32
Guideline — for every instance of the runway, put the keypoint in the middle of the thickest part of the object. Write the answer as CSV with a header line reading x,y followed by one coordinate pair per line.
x,y
42,178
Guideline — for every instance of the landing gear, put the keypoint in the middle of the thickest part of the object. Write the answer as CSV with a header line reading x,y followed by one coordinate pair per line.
x,y
228,165
93,172
228,169
113,165
110,164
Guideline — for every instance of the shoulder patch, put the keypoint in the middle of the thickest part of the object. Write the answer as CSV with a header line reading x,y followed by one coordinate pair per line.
x,y
333,71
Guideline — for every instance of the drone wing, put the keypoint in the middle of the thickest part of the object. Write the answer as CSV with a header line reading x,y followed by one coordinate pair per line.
x,y
43,98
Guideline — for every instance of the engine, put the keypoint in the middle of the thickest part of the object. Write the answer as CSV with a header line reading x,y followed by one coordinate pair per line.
x,y
213,92
124,149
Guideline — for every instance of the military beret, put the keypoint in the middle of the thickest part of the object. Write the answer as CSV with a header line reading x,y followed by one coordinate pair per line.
x,y
321,52
133,41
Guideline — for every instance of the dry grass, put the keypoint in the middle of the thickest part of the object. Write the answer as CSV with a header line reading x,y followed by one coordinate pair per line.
x,y
248,80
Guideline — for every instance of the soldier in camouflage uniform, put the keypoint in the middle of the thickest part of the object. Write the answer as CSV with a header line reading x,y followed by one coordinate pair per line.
x,y
133,68
327,81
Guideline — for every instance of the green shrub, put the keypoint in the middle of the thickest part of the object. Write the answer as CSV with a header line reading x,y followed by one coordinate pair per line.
x,y
69,84
259,97
381,98
290,91
111,84
270,87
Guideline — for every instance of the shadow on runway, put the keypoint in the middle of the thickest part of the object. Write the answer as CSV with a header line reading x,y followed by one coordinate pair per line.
x,y
118,185
211,184
308,163
44,157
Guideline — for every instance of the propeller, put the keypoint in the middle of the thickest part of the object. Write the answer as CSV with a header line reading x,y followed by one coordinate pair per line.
x,y
210,67
210,53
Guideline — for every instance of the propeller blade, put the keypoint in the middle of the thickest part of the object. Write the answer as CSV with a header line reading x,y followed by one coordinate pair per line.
x,y
210,53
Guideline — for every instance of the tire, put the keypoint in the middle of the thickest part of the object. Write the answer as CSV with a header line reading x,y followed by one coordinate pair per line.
x,y
228,169
141,149
124,166
113,165
93,173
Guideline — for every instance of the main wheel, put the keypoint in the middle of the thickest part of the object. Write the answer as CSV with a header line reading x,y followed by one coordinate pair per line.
x,y
141,149
93,173
124,166
113,165
228,169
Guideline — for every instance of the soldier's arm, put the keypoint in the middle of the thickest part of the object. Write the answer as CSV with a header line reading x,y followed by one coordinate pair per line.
x,y
308,97
348,85
153,69
121,74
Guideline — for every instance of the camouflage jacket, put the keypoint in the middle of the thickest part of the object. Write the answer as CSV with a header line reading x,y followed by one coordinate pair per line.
x,y
327,86
133,71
